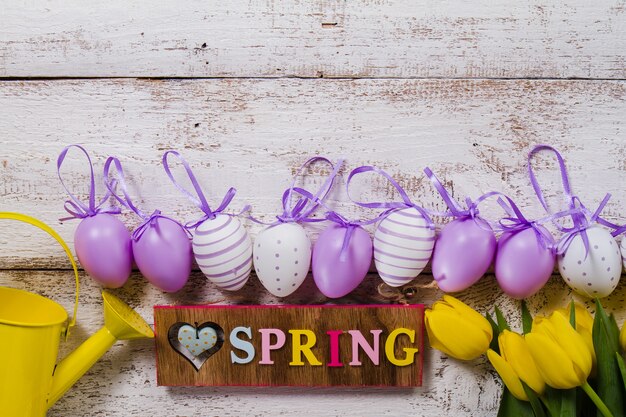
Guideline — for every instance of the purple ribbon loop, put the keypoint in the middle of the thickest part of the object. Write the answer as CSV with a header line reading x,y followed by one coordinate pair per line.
x,y
126,201
74,206
581,217
455,209
199,200
516,222
389,206
619,230
308,202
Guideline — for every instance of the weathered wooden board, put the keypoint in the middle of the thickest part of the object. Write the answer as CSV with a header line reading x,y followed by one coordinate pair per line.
x,y
289,345
253,134
364,38
124,382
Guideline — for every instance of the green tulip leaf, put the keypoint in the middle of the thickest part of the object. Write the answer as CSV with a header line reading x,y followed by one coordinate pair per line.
x,y
527,318
502,324
606,343
572,314
512,407
534,401
494,341
622,368
568,403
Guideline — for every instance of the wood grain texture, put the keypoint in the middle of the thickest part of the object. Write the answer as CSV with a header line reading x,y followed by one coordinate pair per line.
x,y
254,134
429,97
216,368
123,383
364,38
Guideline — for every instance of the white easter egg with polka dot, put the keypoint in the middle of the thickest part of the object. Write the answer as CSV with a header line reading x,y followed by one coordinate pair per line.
x,y
403,245
282,256
597,274
223,251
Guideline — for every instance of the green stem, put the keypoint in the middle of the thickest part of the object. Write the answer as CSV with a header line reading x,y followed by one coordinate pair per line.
x,y
596,400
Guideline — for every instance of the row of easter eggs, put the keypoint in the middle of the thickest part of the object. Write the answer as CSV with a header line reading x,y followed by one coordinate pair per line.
x,y
403,244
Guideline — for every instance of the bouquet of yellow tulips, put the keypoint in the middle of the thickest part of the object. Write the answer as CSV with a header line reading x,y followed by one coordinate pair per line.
x,y
568,364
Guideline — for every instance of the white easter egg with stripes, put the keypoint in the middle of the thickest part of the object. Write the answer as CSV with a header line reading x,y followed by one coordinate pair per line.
x,y
223,251
403,245
282,257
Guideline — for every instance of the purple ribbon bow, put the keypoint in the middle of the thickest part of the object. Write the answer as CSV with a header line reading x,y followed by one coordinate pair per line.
x,y
349,225
126,201
581,217
74,206
455,209
516,222
389,206
200,201
308,202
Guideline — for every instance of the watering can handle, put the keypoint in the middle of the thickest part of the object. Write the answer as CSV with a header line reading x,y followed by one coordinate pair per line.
x,y
32,221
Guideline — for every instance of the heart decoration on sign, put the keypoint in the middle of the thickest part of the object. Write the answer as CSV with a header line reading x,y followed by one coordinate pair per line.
x,y
196,343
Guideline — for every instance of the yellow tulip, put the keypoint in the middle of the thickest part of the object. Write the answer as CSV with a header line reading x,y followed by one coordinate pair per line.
x,y
561,354
508,375
457,330
584,326
515,364
622,337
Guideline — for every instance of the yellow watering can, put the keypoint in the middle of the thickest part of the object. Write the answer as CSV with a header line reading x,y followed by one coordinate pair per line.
x,y
31,326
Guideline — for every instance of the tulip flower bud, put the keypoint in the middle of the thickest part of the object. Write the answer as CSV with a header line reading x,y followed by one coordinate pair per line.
x,y
561,354
457,330
584,326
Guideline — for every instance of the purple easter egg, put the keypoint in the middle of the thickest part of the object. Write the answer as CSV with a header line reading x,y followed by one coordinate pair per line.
x,y
336,277
463,253
103,247
163,254
523,265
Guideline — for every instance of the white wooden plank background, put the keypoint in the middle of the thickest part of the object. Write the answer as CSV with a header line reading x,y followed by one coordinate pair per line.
x,y
330,38
475,134
466,89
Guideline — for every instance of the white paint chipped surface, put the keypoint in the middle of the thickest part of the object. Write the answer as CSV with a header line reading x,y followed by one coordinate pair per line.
x,y
361,38
415,101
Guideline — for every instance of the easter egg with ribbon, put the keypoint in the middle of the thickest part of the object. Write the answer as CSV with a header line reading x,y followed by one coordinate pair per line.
x,y
403,245
102,242
282,251
525,255
589,259
161,245
465,247
223,251
463,253
593,269
221,244
404,237
282,257
342,257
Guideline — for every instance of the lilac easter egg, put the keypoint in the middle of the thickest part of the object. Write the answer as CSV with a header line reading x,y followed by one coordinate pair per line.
x,y
163,254
334,276
103,247
463,253
523,265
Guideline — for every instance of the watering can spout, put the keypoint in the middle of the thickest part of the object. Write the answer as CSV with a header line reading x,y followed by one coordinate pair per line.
x,y
120,323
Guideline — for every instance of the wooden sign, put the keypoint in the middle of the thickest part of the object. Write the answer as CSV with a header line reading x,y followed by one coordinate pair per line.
x,y
290,345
